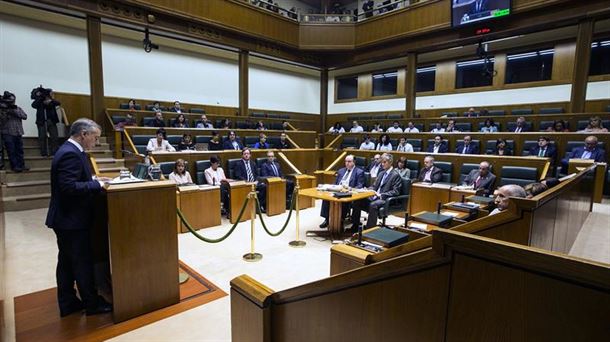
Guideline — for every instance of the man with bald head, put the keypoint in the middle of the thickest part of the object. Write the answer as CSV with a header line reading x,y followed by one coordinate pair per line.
x,y
501,196
430,173
590,150
350,176
481,179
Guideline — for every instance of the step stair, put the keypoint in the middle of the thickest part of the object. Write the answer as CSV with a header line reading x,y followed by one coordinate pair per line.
x,y
26,202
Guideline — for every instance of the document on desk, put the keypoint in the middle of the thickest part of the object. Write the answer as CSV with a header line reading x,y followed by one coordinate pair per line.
x,y
449,213
417,225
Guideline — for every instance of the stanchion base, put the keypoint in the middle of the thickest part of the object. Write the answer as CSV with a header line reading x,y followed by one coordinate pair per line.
x,y
252,257
182,277
297,243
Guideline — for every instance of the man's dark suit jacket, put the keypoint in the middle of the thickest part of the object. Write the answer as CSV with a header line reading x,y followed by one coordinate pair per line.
x,y
356,180
267,170
525,128
485,184
227,145
435,177
442,149
472,148
392,185
598,154
240,172
72,190
551,151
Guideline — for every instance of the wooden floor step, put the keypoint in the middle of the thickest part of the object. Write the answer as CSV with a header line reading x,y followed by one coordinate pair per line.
x,y
13,189
34,174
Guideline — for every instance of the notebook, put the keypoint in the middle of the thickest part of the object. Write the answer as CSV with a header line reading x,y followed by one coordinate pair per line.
x,y
386,237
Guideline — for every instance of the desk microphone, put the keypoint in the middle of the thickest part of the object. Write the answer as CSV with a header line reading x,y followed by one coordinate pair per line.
x,y
463,198
359,235
406,220
438,208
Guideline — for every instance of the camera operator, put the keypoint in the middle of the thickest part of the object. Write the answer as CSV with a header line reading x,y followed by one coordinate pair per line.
x,y
11,128
46,119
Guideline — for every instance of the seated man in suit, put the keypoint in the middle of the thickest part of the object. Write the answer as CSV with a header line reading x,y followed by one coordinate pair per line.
x,y
467,146
521,125
388,184
439,146
430,173
589,151
350,176
481,180
502,194
176,108
544,149
246,170
375,166
271,168
232,143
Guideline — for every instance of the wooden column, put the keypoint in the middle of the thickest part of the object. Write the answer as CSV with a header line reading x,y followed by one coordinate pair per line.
x,y
582,59
96,72
323,98
243,82
410,79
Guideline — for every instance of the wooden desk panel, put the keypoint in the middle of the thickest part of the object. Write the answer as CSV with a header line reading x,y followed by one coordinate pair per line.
x,y
143,247
306,182
238,194
200,206
276,196
426,197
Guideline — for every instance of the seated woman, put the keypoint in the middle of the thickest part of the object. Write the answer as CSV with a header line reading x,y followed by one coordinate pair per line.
x,y
180,175
159,143
336,129
260,126
377,128
489,126
215,143
401,168
214,175
384,143
262,142
595,126
558,126
181,122
502,148
186,143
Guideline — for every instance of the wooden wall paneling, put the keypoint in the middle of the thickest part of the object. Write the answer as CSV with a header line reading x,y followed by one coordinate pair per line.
x,y
582,59
243,82
365,86
75,105
445,76
500,69
326,36
544,223
563,62
96,72
401,81
410,84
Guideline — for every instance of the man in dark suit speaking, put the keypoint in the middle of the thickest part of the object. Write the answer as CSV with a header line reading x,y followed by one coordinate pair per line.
x,y
350,176
481,179
70,215
388,184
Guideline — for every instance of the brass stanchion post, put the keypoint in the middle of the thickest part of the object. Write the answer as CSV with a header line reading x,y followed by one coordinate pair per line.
x,y
252,257
297,243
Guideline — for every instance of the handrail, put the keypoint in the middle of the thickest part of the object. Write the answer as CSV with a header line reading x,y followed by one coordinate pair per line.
x,y
330,145
336,161
294,144
94,166
289,163
131,144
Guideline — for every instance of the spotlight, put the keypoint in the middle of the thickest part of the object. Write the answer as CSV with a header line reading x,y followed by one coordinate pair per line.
x,y
148,44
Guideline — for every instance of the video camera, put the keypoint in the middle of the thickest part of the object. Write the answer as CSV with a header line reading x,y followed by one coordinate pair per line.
x,y
7,101
40,93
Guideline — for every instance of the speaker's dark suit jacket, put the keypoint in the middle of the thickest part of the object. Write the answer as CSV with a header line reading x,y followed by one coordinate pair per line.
x,y
486,184
442,149
267,170
551,152
356,180
72,190
391,187
435,177
471,149
240,172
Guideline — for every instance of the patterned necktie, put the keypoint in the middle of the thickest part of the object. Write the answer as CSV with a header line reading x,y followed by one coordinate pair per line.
x,y
274,170
249,172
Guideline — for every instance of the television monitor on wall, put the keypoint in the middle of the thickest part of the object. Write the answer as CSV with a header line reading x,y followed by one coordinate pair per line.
x,y
464,12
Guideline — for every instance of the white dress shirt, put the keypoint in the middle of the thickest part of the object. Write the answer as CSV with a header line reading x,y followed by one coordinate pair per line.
x,y
214,177
404,148
357,129
381,147
181,179
340,130
153,145
394,130
367,146
437,130
412,130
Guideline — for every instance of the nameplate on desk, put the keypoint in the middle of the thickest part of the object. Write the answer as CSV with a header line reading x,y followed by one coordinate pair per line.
x,y
190,187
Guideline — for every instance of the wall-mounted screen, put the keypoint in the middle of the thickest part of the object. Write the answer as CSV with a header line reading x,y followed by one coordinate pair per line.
x,y
464,12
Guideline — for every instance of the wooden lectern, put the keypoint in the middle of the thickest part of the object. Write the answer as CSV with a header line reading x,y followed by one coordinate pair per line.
x,y
305,182
143,247
276,196
238,193
200,206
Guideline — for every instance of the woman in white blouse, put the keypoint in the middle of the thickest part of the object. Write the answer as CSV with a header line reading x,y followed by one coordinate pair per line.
x,y
214,175
159,143
384,143
404,146
180,175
